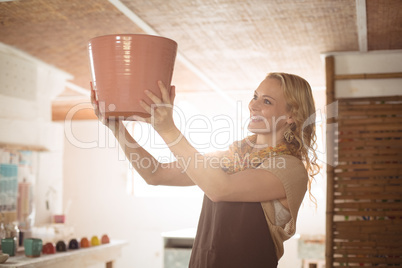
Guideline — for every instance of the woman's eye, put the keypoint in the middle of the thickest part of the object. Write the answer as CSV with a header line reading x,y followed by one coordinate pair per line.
x,y
255,97
266,101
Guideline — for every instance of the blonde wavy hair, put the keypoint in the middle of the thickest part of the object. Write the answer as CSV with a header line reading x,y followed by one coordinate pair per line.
x,y
300,104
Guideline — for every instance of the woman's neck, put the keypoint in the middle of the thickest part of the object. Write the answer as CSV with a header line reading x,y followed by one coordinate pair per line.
x,y
264,140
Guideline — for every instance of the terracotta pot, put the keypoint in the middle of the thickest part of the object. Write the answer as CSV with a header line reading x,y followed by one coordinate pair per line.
x,y
85,243
124,65
105,239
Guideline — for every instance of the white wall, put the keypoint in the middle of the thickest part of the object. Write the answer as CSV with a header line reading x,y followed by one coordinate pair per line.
x,y
95,184
374,62
27,87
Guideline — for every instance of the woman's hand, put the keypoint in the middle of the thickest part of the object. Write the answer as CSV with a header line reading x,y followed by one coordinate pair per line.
x,y
161,109
113,125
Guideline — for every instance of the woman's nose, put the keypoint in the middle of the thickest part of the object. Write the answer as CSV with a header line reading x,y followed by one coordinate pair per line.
x,y
254,105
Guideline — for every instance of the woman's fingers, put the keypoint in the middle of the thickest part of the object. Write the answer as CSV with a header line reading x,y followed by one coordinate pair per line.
x,y
172,94
95,105
164,92
96,110
146,107
153,97
166,97
93,99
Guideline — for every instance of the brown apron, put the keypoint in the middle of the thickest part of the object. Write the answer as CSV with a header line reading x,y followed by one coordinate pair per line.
x,y
233,235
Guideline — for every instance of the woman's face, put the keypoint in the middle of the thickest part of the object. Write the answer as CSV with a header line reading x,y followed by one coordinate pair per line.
x,y
268,114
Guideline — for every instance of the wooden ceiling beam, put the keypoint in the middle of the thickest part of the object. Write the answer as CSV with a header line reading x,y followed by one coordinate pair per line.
x,y
73,110
361,20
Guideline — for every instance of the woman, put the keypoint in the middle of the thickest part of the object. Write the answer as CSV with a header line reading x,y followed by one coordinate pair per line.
x,y
252,196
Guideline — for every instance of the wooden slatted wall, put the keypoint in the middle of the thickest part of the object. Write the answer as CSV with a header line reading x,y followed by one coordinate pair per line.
x,y
364,195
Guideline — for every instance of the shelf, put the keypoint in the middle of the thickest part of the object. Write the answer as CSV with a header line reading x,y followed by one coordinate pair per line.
x,y
106,253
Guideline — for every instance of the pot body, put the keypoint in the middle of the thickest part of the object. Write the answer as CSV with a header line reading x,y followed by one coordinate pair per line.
x,y
33,247
124,65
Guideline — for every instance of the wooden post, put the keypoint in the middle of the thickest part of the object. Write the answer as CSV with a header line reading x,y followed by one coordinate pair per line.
x,y
330,92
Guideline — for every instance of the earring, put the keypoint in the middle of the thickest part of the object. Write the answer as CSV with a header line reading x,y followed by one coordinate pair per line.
x,y
289,135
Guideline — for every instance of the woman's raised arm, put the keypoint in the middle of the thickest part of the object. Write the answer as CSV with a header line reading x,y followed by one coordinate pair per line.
x,y
154,172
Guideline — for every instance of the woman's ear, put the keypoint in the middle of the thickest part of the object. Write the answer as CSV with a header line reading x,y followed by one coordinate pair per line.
x,y
289,120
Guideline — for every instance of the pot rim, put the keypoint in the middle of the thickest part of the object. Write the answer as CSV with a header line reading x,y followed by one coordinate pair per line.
x,y
107,36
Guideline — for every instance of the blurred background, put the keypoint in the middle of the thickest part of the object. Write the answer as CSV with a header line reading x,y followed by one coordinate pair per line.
x,y
63,161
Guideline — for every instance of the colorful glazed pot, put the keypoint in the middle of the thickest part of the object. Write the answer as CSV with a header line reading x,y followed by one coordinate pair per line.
x,y
95,241
49,248
8,246
85,243
105,239
61,246
73,244
32,247
124,65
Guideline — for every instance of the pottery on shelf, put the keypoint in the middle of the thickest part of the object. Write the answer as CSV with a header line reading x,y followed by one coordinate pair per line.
x,y
105,239
124,65
49,248
61,246
85,243
95,241
33,247
73,244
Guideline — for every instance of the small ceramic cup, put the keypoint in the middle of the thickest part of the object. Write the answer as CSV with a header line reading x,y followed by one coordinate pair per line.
x,y
73,244
105,239
33,247
61,246
8,246
85,243
95,241
48,248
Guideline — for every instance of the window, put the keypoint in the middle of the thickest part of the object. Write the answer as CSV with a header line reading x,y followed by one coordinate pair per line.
x,y
204,133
